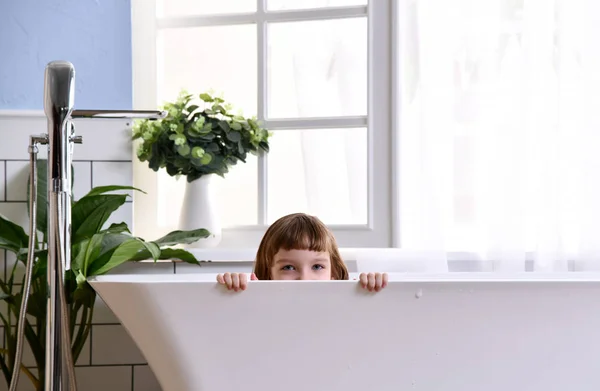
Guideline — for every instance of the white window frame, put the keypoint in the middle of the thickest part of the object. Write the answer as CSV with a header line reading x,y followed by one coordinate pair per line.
x,y
379,230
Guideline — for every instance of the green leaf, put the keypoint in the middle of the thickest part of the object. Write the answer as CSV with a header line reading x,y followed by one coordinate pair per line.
x,y
80,279
177,253
113,240
86,252
12,236
110,243
40,269
35,344
168,253
106,189
153,249
36,306
224,125
91,212
197,152
206,158
212,147
117,228
125,252
235,126
183,150
192,108
234,136
84,293
205,97
218,108
182,237
178,139
3,365
208,137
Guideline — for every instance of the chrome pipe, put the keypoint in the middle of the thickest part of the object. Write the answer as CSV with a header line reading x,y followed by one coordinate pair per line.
x,y
146,114
59,92
59,100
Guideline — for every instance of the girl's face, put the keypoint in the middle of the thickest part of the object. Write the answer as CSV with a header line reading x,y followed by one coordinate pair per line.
x,y
301,265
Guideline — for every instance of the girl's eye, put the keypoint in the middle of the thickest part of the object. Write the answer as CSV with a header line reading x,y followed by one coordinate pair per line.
x,y
287,267
318,267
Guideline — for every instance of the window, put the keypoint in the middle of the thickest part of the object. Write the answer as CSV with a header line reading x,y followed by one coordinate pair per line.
x,y
316,72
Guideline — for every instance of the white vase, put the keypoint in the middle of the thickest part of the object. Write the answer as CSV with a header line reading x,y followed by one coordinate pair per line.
x,y
199,210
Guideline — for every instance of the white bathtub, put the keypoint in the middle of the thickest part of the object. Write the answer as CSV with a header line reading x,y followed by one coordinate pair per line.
x,y
451,332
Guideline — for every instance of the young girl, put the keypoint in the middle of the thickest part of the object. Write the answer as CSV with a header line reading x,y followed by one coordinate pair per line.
x,y
299,247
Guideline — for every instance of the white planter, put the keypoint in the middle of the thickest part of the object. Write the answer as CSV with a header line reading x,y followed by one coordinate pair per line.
x,y
200,210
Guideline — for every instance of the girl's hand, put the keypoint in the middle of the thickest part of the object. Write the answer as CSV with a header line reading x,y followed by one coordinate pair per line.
x,y
235,281
373,282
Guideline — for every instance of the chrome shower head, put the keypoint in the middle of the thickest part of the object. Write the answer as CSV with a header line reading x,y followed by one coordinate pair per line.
x,y
59,90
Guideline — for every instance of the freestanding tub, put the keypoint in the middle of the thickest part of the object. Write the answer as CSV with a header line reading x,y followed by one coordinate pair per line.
x,y
450,332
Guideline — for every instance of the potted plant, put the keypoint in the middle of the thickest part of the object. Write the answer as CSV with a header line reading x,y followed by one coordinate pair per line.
x,y
95,250
199,140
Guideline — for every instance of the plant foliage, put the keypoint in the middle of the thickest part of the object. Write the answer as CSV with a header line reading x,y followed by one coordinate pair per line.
x,y
199,138
95,249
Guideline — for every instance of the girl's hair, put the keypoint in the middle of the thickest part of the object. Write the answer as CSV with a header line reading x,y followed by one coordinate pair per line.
x,y
298,231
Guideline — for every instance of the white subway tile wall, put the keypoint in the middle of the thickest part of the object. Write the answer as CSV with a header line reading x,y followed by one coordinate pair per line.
x,y
82,182
105,337
110,360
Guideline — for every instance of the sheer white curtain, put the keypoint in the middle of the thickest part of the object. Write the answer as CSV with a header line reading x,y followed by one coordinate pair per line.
x,y
499,144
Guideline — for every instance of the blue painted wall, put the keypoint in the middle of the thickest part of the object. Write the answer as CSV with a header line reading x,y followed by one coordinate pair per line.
x,y
94,35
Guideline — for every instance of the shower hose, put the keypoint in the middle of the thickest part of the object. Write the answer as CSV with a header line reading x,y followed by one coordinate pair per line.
x,y
61,225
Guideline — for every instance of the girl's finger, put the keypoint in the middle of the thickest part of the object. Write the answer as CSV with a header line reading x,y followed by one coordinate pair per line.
x,y
371,278
235,280
385,280
220,279
227,278
243,281
363,280
378,282
253,277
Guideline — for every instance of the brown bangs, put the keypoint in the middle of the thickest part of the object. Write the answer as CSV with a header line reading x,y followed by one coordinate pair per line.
x,y
297,231
302,233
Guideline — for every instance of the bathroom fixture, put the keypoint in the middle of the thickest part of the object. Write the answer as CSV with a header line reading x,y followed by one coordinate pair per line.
x,y
148,114
59,98
424,331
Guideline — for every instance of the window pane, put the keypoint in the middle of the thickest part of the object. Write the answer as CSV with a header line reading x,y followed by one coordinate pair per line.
x,y
277,5
237,194
321,172
170,8
222,58
317,68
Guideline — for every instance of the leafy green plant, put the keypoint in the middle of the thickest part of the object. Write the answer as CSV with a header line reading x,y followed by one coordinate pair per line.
x,y
95,250
196,141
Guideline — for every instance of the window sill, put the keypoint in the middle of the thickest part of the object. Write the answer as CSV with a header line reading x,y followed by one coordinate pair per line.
x,y
384,259
248,254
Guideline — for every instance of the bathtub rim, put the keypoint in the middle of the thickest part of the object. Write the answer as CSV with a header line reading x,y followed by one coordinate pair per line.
x,y
449,277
